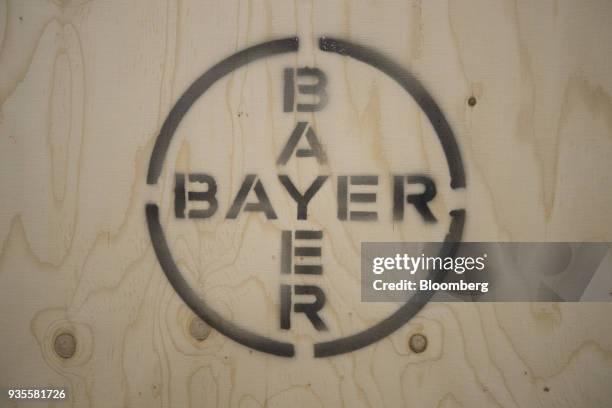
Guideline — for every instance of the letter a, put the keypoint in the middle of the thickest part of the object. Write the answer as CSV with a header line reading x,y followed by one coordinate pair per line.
x,y
263,203
315,150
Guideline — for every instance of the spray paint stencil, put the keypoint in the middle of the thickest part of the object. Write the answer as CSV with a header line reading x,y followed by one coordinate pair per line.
x,y
269,172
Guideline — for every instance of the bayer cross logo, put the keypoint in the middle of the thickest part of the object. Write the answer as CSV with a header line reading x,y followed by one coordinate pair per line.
x,y
286,192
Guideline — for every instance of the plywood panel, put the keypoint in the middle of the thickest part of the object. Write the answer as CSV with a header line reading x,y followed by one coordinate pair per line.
x,y
85,87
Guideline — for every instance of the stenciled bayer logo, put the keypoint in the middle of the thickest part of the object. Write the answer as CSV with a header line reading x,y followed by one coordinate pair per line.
x,y
274,166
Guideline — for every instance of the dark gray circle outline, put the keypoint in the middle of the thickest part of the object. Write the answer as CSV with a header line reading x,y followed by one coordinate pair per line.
x,y
156,233
182,106
455,165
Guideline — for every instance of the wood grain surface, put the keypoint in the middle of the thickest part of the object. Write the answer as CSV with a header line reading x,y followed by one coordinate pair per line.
x,y
85,87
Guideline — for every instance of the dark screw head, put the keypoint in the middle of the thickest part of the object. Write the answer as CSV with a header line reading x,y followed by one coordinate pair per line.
x,y
471,101
417,343
65,345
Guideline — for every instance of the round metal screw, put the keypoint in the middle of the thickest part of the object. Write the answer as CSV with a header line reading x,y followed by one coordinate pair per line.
x,y
417,343
198,329
65,345
471,101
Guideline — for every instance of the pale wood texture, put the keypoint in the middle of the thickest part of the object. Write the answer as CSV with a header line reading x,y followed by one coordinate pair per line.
x,y
84,89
